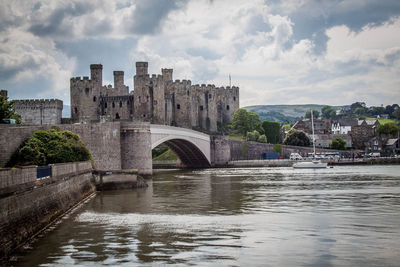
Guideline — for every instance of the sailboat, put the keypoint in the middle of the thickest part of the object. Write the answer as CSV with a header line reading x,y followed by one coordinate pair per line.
x,y
314,164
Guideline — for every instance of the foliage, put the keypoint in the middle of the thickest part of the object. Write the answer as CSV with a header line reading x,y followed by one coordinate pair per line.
x,y
315,114
7,110
244,121
338,143
272,131
388,129
262,139
158,150
328,112
296,138
51,146
253,136
278,148
244,149
236,137
167,155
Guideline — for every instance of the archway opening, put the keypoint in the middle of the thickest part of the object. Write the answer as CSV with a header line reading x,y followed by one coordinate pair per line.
x,y
189,156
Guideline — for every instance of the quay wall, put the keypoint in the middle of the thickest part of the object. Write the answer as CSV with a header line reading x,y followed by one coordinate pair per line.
x,y
102,140
28,204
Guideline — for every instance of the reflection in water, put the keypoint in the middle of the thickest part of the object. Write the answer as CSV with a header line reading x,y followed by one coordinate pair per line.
x,y
257,216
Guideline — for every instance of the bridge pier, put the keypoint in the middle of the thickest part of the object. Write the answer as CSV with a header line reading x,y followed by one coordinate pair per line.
x,y
136,147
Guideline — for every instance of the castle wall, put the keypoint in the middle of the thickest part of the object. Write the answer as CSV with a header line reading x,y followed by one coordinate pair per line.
x,y
117,107
39,112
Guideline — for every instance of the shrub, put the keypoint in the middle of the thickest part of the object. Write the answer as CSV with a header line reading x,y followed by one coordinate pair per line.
x,y
51,146
262,139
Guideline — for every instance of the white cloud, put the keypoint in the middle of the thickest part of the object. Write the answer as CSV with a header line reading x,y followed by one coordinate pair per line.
x,y
205,41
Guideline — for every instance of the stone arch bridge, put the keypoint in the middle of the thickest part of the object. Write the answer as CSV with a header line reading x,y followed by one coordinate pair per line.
x,y
128,145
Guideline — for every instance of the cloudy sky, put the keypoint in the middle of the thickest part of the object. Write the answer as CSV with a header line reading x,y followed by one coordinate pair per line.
x,y
279,52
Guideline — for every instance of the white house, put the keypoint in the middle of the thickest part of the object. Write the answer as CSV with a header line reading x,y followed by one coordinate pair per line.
x,y
342,126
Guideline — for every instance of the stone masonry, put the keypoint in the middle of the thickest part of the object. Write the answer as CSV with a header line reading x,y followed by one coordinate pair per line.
x,y
39,111
156,99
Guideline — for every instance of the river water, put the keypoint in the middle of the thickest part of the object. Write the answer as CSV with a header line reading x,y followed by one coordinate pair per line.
x,y
344,216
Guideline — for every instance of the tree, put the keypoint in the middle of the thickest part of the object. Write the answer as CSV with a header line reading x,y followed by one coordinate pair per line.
x,y
315,114
7,110
262,139
357,105
389,128
361,111
272,130
338,143
327,112
253,136
244,121
51,146
296,138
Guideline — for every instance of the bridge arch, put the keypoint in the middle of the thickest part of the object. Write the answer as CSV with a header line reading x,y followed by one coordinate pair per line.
x,y
192,147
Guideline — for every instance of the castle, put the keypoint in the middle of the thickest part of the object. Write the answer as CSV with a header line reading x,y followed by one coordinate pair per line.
x,y
156,99
39,111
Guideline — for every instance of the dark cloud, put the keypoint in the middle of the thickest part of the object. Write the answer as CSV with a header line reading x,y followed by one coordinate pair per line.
x,y
313,17
113,54
149,14
9,72
53,25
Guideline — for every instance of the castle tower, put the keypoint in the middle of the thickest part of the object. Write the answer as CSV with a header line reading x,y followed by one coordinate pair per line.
x,y
119,83
96,75
143,92
167,74
85,94
142,68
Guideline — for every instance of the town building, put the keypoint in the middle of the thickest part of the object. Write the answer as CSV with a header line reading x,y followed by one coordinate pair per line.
x,y
343,126
363,132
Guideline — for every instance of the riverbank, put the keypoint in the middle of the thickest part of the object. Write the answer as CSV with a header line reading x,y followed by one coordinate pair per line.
x,y
289,163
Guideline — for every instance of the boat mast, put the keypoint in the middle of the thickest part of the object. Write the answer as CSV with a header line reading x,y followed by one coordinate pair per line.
x,y
312,127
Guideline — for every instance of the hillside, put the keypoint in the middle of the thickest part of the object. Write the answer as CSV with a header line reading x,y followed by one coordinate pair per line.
x,y
282,113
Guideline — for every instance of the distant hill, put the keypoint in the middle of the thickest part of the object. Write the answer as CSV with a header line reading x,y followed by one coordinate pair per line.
x,y
282,113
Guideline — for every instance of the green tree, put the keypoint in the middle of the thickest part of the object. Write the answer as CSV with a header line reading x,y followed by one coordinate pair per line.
x,y
272,130
389,128
296,138
315,114
338,143
7,110
328,112
262,139
253,136
244,121
51,146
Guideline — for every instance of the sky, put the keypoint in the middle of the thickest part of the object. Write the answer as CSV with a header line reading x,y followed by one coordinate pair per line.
x,y
329,52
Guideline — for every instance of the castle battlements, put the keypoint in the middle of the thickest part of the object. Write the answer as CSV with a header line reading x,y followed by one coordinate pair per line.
x,y
156,98
27,103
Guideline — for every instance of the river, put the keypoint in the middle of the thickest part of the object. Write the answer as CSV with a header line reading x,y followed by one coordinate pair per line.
x,y
342,216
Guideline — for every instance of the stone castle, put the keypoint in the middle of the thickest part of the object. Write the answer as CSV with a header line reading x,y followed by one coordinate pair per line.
x,y
39,111
156,99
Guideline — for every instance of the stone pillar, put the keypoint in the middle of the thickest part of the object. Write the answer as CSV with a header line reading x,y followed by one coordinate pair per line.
x,y
136,147
220,150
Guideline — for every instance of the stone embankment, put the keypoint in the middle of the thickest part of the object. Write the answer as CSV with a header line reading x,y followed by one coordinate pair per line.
x,y
28,203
